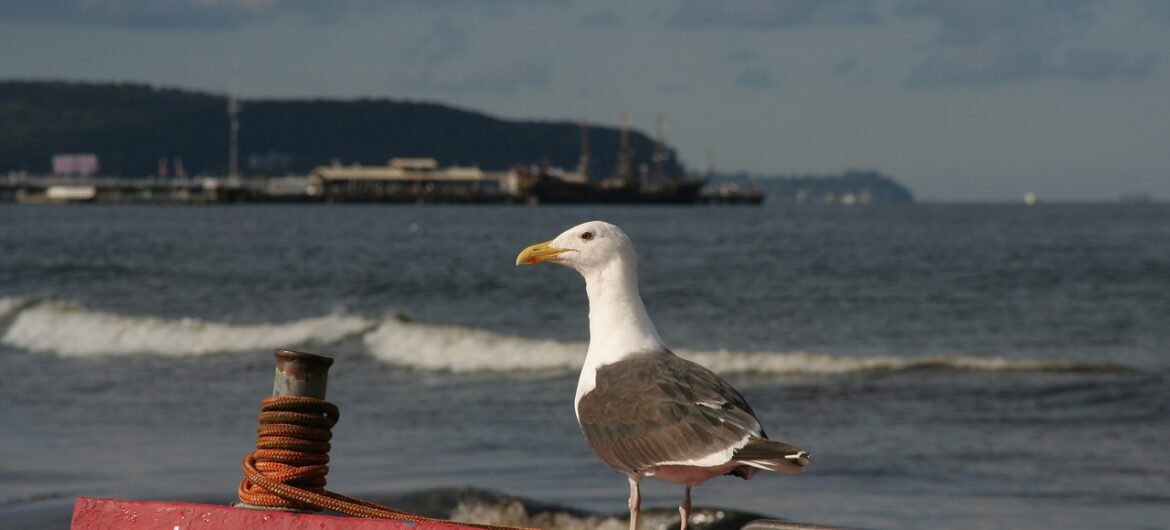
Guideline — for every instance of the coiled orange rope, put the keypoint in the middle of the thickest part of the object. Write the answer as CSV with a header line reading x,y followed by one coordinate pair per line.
x,y
287,470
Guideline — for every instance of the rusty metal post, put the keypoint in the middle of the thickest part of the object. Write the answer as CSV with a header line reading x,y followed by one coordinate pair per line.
x,y
300,374
297,374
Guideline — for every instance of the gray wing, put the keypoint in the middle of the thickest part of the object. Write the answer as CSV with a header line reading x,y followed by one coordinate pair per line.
x,y
655,407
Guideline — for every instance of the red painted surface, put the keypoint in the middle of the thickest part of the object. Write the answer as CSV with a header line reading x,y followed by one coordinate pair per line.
x,y
110,514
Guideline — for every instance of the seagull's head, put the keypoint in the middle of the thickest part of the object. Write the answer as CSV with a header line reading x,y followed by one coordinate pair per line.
x,y
586,247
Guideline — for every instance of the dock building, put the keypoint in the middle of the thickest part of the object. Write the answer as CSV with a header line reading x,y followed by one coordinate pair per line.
x,y
411,180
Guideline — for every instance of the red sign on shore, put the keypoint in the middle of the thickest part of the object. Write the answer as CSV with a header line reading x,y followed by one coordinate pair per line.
x,y
81,164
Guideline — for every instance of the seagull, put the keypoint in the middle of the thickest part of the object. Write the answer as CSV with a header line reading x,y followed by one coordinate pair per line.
x,y
644,410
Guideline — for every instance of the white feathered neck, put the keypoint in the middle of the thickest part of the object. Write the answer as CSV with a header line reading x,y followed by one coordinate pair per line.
x,y
618,323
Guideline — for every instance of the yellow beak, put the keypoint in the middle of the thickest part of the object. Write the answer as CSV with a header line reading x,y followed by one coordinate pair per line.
x,y
537,253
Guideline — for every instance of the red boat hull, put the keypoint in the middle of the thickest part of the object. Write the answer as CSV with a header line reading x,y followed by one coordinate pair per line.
x,y
107,514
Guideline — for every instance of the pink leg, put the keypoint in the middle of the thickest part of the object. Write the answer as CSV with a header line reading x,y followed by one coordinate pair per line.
x,y
635,502
684,509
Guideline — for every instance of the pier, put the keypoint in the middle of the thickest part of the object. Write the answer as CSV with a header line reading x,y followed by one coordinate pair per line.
x,y
33,189
402,181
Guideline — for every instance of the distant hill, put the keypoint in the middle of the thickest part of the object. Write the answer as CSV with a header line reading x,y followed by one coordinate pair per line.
x,y
850,187
131,126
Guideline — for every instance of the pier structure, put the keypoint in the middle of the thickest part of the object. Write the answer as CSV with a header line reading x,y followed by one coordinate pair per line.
x,y
34,189
411,180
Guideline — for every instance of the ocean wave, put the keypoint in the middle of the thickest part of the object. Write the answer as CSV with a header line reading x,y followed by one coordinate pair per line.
x,y
516,513
10,305
459,349
72,330
491,507
802,363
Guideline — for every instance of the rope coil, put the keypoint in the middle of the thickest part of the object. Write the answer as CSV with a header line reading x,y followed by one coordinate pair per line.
x,y
287,470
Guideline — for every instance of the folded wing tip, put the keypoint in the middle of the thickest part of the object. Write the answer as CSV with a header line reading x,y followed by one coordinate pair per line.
x,y
800,458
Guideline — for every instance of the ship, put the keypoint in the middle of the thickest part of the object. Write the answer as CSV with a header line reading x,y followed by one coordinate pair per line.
x,y
545,186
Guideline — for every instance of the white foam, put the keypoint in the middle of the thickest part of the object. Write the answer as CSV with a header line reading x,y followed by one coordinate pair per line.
x,y
512,512
803,363
71,330
459,349
11,304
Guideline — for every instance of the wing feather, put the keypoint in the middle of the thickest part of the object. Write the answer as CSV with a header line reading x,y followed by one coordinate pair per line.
x,y
655,407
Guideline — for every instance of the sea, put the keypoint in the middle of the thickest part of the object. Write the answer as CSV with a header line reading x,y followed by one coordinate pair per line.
x,y
967,366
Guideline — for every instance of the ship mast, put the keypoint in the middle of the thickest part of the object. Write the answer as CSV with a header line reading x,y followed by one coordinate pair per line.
x,y
233,110
583,161
624,173
659,153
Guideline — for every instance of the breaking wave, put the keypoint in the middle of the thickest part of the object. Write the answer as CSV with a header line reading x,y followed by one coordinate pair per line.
x,y
70,329
11,305
458,349
496,508
801,363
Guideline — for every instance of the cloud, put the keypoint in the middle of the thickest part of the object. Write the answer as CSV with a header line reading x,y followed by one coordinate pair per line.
x,y
853,70
505,77
771,14
965,22
846,65
497,8
1158,10
741,56
508,77
991,64
179,14
443,41
990,42
978,65
671,88
1098,64
755,79
227,14
604,18
141,14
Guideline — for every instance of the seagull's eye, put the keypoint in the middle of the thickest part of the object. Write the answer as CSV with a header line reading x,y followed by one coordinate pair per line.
x,y
587,236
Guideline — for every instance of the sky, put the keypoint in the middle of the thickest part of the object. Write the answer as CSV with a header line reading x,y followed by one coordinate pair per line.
x,y
964,100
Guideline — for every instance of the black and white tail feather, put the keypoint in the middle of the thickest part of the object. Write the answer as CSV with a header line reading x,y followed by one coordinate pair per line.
x,y
771,455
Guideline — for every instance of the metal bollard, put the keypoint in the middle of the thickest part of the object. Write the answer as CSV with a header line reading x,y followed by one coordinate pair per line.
x,y
300,374
297,374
